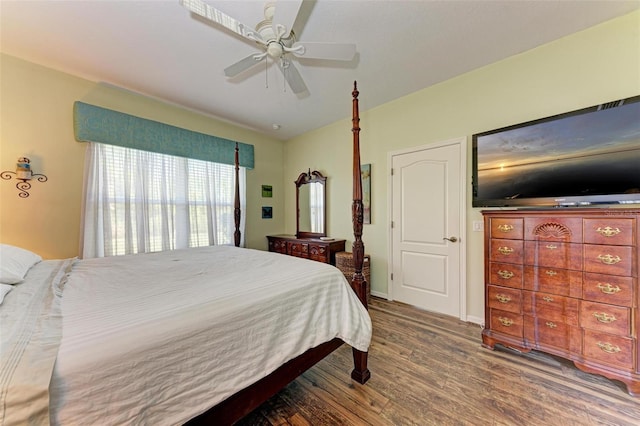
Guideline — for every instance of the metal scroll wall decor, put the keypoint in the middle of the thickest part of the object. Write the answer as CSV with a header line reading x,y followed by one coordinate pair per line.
x,y
24,175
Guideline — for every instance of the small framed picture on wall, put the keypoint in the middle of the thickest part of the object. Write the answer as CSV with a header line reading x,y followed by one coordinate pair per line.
x,y
267,212
267,191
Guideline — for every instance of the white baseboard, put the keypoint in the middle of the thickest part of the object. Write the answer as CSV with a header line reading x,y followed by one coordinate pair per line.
x,y
380,295
475,320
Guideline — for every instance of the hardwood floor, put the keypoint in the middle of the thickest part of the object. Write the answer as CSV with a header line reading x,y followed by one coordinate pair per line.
x,y
429,369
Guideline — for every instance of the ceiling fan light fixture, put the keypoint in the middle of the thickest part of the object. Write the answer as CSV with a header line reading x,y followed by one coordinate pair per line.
x,y
275,49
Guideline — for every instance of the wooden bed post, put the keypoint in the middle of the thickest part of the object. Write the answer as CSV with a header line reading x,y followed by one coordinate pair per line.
x,y
360,371
236,209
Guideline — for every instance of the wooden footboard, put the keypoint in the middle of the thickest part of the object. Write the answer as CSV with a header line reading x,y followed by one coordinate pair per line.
x,y
242,403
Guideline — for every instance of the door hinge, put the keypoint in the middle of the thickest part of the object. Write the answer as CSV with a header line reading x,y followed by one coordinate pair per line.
x,y
391,172
392,224
392,276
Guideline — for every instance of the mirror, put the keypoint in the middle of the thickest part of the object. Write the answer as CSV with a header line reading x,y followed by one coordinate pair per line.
x,y
311,205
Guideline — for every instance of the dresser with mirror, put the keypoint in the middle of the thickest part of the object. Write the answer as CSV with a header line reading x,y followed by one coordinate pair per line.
x,y
310,240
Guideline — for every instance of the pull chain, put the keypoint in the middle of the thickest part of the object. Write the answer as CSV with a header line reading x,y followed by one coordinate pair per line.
x,y
284,74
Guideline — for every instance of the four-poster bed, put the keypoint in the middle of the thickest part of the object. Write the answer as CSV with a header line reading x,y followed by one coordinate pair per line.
x,y
135,326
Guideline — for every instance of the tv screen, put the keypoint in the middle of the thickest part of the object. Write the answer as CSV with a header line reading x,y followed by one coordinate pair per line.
x,y
585,157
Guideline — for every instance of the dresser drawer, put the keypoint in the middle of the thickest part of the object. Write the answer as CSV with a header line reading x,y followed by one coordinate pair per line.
x,y
551,306
298,249
610,289
508,251
506,228
567,229
318,253
612,351
506,322
278,246
506,299
605,318
544,333
505,274
553,254
609,231
564,282
611,260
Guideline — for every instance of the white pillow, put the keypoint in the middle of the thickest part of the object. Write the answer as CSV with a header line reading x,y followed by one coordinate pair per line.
x,y
15,262
4,289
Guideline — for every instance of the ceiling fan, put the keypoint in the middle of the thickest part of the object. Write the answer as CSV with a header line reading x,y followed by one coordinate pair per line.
x,y
276,39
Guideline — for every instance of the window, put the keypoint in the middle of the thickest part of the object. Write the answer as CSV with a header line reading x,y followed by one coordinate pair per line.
x,y
138,201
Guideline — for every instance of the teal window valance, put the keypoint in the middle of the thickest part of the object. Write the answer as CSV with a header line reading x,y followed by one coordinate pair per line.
x,y
95,124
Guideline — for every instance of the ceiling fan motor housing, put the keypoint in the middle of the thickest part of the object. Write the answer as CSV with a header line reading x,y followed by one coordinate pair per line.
x,y
275,47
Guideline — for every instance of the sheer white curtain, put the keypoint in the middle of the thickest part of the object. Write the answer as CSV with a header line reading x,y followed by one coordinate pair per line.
x,y
137,201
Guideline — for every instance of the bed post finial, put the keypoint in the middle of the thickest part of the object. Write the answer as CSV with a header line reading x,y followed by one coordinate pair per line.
x,y
236,201
360,371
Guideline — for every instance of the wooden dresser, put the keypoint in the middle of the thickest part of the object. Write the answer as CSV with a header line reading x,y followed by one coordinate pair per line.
x,y
566,282
309,248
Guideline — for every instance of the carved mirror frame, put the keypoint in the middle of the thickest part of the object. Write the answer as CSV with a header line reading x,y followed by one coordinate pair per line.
x,y
304,179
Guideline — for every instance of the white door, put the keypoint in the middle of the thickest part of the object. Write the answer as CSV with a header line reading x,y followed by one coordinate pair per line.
x,y
427,205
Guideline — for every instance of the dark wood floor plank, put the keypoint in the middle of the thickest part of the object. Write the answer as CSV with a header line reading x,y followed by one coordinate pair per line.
x,y
339,384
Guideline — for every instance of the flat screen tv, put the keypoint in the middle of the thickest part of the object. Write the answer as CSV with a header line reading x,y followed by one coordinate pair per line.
x,y
580,158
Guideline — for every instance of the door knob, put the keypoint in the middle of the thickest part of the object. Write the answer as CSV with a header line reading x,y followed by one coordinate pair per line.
x,y
452,239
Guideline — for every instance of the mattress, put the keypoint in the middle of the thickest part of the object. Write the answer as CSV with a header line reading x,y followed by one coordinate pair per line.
x,y
159,338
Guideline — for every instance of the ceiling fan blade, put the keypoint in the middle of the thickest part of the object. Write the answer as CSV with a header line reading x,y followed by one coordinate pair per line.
x,y
333,51
293,77
211,13
285,14
243,65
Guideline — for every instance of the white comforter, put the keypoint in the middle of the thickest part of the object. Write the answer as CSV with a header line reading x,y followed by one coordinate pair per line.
x,y
159,338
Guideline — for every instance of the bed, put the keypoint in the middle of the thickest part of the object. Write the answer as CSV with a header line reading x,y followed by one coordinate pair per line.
x,y
174,337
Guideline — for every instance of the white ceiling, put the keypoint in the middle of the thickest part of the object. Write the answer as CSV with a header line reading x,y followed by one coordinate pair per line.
x,y
157,48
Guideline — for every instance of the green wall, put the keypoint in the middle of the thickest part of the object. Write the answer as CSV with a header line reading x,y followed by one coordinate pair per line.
x,y
587,68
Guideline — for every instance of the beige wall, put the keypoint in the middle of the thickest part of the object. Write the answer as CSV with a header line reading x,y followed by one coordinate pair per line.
x,y
584,69
36,119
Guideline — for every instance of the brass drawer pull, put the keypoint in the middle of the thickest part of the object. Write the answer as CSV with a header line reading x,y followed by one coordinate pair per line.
x,y
503,298
608,231
608,288
505,321
547,299
608,259
551,246
505,228
551,273
505,250
609,348
506,274
550,324
604,317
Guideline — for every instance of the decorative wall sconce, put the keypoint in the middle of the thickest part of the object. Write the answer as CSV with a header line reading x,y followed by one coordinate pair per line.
x,y
24,175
